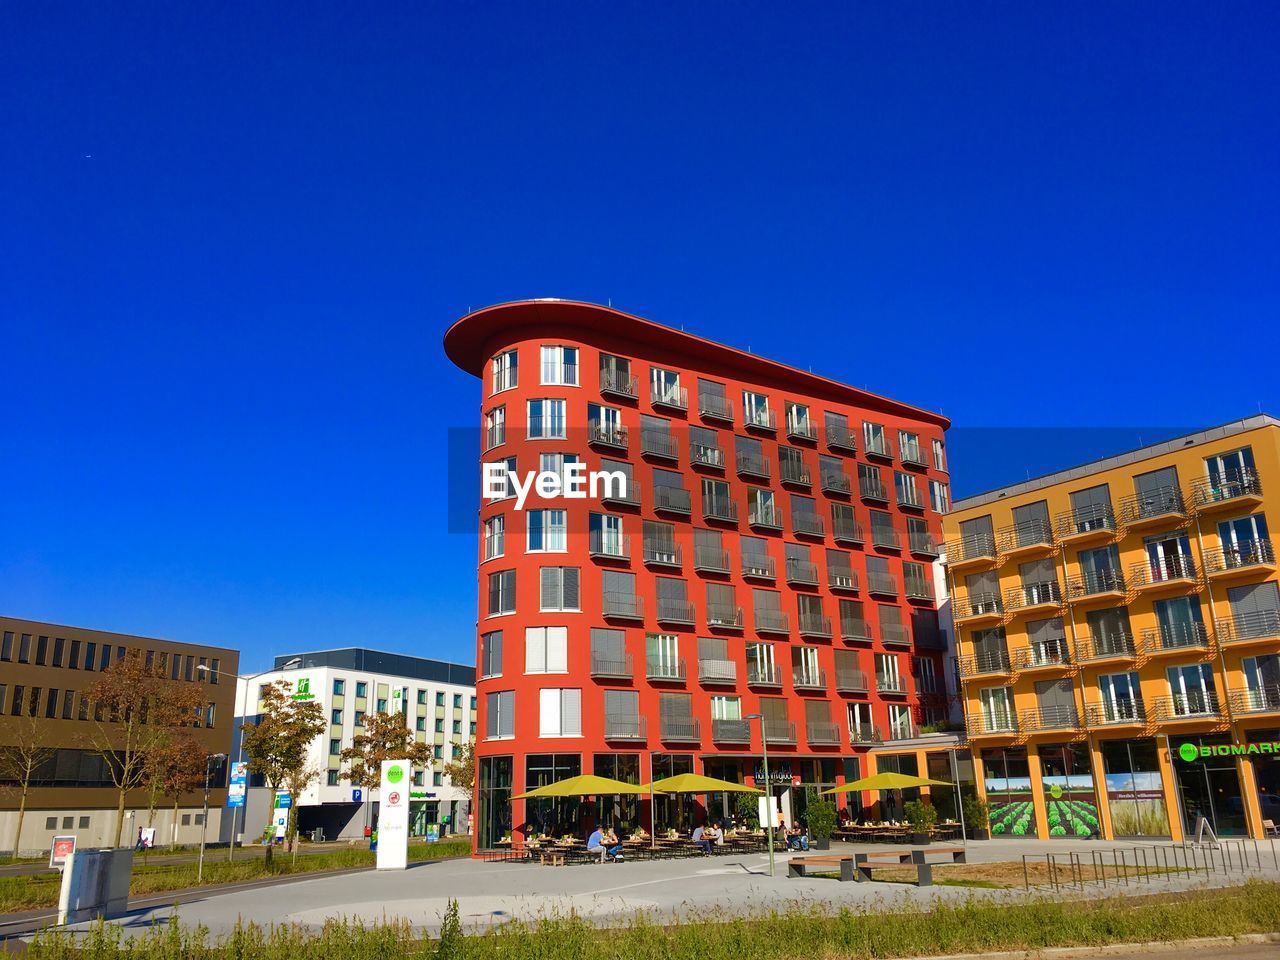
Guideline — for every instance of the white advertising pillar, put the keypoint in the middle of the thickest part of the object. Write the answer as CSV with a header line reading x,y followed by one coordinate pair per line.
x,y
393,815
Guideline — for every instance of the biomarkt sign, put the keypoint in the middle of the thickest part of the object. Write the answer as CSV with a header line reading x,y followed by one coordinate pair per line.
x,y
1190,752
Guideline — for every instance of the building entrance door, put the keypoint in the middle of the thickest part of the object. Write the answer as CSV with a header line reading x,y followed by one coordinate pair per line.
x,y
1210,788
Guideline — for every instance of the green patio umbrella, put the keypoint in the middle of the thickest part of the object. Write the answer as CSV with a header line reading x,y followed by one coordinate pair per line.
x,y
584,786
697,783
889,781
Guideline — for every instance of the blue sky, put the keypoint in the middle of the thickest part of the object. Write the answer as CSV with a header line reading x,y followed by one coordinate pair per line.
x,y
233,238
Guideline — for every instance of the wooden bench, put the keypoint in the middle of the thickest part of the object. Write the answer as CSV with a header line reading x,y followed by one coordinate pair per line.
x,y
864,862
797,866
551,858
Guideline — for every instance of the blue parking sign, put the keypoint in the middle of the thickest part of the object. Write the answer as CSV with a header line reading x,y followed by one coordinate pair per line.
x,y
357,795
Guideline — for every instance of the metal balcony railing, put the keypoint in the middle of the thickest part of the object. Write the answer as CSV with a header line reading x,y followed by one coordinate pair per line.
x,y
666,669
719,508
605,543
835,481
841,438
753,466
1107,646
715,407
872,488
992,722
623,495
909,452
672,500
680,730
877,447
987,664
1192,705
1115,712
888,683
902,730
847,531
706,455
725,616
710,559
717,671
1175,636
612,667
863,733
822,731
896,634
923,544
967,549
1046,653
978,605
1240,556
760,419
657,444
852,681
1025,535
918,589
1238,486
886,537
623,606
1263,699
843,579
1033,595
663,554
1245,627
772,621
675,611
765,515
882,583
808,524
1050,718
908,497
670,396
621,727
763,676
854,630
731,731
607,436
801,571
803,678
814,625
1171,569
779,731
756,567
796,473
494,437
801,428
614,383
1096,518
1166,501
1094,583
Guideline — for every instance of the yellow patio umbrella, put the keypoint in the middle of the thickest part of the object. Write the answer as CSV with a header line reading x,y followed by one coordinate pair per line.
x,y
889,781
584,786
697,783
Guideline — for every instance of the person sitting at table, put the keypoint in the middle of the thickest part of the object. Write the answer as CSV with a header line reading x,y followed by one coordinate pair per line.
x,y
700,841
612,845
797,839
596,844
713,835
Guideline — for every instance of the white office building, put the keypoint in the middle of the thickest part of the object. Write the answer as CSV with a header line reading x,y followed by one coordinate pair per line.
x,y
439,700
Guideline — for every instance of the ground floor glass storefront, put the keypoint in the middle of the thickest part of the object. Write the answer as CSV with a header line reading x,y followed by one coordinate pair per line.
x,y
1208,787
1134,788
1071,804
1007,780
493,795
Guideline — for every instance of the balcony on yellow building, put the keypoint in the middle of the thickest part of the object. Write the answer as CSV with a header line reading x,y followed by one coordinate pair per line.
x,y
987,723
1154,508
1116,713
1085,525
1054,719
984,665
1169,574
1027,539
1097,587
1247,560
1256,701
971,552
1239,491
1256,626
1113,647
979,608
1049,656
1193,706
1030,598
1175,638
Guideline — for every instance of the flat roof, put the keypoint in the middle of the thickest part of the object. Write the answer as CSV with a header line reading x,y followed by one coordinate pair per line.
x,y
382,661
45,625
1114,461
467,342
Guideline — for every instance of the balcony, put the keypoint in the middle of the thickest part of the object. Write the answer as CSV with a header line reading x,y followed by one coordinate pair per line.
x,y
779,731
710,560
619,385
877,447
808,524
670,396
918,589
604,435
909,453
765,516
840,438
706,455
1193,705
863,734
654,443
623,606
605,545
852,681
665,669
1107,646
1116,713
1026,538
1046,655
796,474
1240,491
975,551
854,630
984,665
624,727
675,611
1047,719
1092,524
1241,561
923,544
873,488
724,616
842,580
753,466
1156,508
717,672
801,572
756,567
720,509
680,730
668,555
1097,586
763,676
807,679
627,496
895,634
713,407
902,730
815,625
611,667
756,419
1041,595
886,538
494,437
845,530
890,684
1174,637
882,584
978,608
1168,574
801,428
822,733
995,723
1253,627
837,483
731,731
909,499
1256,700
772,621
672,500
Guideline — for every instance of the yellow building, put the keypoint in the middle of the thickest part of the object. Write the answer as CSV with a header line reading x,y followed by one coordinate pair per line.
x,y
1118,640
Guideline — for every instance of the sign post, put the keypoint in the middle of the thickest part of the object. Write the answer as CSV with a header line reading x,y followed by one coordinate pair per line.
x,y
61,850
393,815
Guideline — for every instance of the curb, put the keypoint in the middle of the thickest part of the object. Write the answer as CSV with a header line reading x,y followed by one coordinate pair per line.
x,y
1112,949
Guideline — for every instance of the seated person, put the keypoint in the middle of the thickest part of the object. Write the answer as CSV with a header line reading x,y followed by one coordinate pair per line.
x,y
796,838
700,841
713,835
595,844
611,844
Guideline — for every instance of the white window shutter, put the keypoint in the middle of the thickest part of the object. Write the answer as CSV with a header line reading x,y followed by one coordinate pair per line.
x,y
550,599
571,713
557,647
549,713
535,650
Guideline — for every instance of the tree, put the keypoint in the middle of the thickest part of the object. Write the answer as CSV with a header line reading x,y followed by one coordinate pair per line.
x,y
386,736
21,758
176,767
136,709
277,744
461,770
296,782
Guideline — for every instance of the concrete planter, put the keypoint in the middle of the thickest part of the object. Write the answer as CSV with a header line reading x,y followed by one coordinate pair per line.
x,y
919,839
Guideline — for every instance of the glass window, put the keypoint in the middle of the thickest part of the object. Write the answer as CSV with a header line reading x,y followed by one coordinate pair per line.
x,y
504,371
546,419
560,365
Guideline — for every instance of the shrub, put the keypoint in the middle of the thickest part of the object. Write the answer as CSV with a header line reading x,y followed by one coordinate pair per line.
x,y
920,815
975,813
821,818
747,809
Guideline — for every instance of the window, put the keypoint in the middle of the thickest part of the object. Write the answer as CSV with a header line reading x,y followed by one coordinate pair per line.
x,y
439,725
560,366
509,466
73,660
755,410
556,463
546,650
666,389
939,455
870,484
905,484
24,649
42,651
332,778
505,370
900,727
502,592
926,677
68,700
558,588
605,534
559,712
546,420
605,425
717,500
335,717
381,705
490,658
615,375
712,401
761,508
493,536
362,689
457,701
909,447
873,438
6,646
421,724
656,439
495,428
798,424
726,708
887,676
335,747
662,656
547,531
939,496
791,466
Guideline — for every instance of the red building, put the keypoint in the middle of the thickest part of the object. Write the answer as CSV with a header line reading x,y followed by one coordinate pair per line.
x,y
773,554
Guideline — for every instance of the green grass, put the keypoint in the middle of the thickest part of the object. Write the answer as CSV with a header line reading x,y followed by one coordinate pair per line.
x,y
903,930
41,890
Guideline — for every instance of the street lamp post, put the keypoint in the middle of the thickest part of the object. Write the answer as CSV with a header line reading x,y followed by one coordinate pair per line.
x,y
768,787
204,820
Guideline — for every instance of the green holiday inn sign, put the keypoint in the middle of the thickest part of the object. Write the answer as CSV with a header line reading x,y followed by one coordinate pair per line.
x,y
1190,752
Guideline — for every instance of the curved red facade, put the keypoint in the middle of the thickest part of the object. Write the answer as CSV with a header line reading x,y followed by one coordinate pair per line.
x,y
754,614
